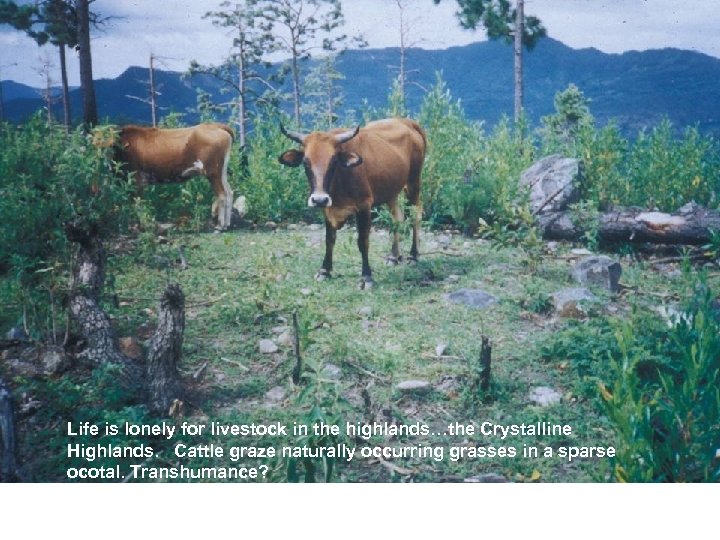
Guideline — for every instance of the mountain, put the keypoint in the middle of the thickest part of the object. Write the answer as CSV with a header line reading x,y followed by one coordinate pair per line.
x,y
637,89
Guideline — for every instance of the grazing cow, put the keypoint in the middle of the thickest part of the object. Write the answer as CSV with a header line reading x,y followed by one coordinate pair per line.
x,y
160,156
350,171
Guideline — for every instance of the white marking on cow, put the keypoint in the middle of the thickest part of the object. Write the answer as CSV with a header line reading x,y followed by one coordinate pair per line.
x,y
197,168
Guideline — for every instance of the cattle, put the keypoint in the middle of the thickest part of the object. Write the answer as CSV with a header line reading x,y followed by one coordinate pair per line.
x,y
352,171
159,156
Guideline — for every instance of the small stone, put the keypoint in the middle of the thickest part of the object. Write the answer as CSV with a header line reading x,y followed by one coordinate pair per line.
x,y
271,225
54,360
440,348
544,396
292,227
285,339
413,387
580,252
240,205
365,311
314,227
279,329
17,333
486,478
130,347
444,240
475,298
598,270
572,303
276,394
453,278
267,346
305,291
332,372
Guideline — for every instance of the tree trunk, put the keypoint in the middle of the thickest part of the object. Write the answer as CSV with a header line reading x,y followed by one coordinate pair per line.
x,y
691,225
67,117
519,31
87,85
153,105
86,285
8,443
296,87
165,351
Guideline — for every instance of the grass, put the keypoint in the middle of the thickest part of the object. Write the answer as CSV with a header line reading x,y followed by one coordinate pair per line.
x,y
241,287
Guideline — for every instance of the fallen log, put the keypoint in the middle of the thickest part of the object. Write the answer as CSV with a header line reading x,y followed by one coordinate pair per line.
x,y
691,225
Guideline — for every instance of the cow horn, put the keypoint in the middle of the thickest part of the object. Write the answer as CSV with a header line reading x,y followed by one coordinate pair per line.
x,y
345,136
293,135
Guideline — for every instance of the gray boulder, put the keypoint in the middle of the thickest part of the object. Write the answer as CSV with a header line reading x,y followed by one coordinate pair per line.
x,y
598,270
553,183
475,298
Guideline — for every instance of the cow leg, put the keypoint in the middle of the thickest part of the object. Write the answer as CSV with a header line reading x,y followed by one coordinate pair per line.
x,y
363,225
222,204
327,265
413,195
398,218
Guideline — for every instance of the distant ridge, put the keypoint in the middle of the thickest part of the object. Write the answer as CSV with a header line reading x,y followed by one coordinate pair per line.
x,y
637,89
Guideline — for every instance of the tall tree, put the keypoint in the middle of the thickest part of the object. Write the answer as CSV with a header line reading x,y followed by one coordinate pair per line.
x,y
252,41
503,20
303,23
53,21
87,85
323,92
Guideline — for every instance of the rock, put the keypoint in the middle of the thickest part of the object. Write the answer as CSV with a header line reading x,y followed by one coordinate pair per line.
x,y
267,346
305,291
332,372
440,348
486,478
365,312
276,394
17,333
544,396
130,347
240,205
271,225
413,387
572,303
553,183
54,360
279,329
598,270
444,240
314,227
452,278
580,251
475,298
285,339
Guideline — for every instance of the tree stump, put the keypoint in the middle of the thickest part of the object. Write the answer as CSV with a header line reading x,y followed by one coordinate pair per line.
x,y
165,351
8,445
86,286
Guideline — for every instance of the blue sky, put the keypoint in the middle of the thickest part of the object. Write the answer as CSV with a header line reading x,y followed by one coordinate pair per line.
x,y
175,31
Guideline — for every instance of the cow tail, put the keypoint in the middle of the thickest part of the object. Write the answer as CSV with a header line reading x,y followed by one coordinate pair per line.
x,y
228,129
417,127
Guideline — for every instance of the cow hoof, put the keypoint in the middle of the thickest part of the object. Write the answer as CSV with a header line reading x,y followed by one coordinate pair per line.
x,y
412,260
391,260
322,275
366,283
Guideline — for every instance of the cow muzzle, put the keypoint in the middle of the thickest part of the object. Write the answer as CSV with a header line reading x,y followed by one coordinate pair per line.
x,y
319,200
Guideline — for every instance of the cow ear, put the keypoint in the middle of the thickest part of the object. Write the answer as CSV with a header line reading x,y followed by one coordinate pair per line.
x,y
349,159
291,158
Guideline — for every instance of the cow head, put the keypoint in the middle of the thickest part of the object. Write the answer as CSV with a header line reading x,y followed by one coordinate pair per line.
x,y
321,154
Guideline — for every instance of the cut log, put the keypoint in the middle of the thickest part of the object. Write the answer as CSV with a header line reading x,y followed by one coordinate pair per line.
x,y
87,282
165,351
8,445
691,225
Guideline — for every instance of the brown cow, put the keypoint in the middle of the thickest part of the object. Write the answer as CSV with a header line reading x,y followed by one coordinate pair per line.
x,y
175,155
350,171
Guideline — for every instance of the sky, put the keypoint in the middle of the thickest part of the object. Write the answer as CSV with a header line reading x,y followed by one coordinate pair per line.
x,y
175,31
